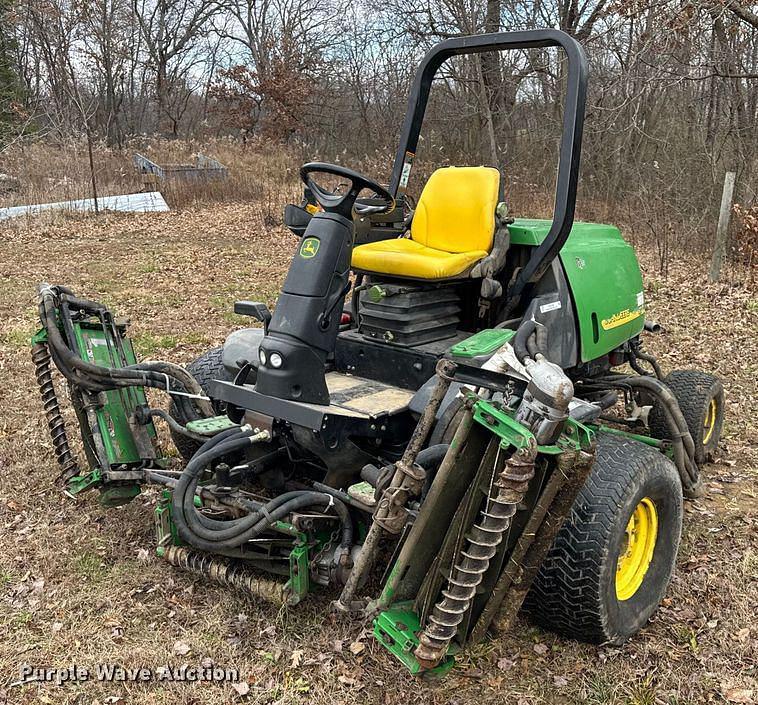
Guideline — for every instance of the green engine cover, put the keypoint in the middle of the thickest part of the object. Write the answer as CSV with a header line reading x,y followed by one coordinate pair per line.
x,y
605,281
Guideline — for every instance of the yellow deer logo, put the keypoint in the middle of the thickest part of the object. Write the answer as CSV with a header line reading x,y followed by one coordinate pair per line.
x,y
309,248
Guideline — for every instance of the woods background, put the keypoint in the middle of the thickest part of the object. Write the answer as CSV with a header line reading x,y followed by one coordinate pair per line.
x,y
673,99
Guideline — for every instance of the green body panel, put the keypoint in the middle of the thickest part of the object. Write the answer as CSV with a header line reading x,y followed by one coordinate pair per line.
x,y
482,343
605,280
112,418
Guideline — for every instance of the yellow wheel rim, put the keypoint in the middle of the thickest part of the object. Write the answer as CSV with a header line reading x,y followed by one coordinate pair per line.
x,y
710,421
637,553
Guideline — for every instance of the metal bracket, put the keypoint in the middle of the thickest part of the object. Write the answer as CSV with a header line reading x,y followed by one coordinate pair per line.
x,y
396,629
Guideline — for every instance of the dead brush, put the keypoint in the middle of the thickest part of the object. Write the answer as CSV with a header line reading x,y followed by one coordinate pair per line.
x,y
745,243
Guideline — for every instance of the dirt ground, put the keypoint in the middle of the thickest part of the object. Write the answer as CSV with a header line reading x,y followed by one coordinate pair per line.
x,y
81,585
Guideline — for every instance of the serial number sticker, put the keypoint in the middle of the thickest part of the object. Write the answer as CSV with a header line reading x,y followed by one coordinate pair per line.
x,y
552,306
641,298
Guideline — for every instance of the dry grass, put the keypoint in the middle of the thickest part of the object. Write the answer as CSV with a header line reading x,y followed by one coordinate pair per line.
x,y
50,173
80,584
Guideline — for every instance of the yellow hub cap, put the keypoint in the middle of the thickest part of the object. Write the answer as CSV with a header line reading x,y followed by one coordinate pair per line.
x,y
710,421
637,553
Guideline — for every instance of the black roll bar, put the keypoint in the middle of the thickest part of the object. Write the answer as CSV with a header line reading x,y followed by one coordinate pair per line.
x,y
571,139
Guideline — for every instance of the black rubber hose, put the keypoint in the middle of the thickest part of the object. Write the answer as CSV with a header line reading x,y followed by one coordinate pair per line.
x,y
683,445
531,346
430,459
651,360
79,303
309,499
526,328
540,335
608,400
174,424
95,378
160,479
189,523
189,383
209,534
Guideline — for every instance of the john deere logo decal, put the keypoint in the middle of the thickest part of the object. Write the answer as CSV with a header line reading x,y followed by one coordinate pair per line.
x,y
619,319
309,248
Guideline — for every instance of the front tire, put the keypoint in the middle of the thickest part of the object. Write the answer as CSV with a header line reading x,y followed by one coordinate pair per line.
x,y
204,369
612,560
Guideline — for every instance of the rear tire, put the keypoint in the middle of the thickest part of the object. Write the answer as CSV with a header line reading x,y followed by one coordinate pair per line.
x,y
206,368
579,591
701,400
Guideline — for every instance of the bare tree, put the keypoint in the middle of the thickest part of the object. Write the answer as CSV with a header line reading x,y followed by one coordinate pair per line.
x,y
174,35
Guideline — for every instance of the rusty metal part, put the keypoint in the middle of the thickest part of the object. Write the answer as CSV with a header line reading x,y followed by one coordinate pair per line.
x,y
508,491
544,538
229,575
55,422
407,482
444,475
408,479
514,581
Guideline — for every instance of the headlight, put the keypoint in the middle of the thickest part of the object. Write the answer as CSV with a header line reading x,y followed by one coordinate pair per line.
x,y
275,360
262,356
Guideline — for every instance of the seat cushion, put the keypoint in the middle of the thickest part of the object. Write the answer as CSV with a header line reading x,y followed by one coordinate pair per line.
x,y
407,258
456,210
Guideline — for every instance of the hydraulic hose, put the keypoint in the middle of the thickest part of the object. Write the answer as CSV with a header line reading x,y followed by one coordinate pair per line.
x,y
94,378
430,459
523,333
683,445
174,424
189,383
213,535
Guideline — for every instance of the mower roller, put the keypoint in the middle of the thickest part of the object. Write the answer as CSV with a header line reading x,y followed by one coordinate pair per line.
x,y
478,430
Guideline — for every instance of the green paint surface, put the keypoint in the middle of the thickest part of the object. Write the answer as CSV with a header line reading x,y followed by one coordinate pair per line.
x,y
482,343
112,418
211,426
605,280
397,630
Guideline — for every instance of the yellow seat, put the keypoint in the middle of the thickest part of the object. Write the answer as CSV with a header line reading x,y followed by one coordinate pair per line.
x,y
452,228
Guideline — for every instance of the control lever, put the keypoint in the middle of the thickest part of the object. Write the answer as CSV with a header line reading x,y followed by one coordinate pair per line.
x,y
325,318
255,309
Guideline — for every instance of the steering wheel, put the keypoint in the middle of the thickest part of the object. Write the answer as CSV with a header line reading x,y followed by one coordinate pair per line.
x,y
343,204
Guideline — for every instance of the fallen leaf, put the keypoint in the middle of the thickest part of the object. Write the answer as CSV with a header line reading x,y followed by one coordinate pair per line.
x,y
739,695
743,634
181,648
505,664
540,649
296,658
356,648
242,688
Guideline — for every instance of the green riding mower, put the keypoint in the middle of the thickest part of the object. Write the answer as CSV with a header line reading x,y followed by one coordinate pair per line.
x,y
478,430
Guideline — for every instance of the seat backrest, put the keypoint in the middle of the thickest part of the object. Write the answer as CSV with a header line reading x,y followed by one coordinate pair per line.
x,y
456,211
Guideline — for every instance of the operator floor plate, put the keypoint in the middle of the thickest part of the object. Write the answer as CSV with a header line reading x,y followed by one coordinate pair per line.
x,y
366,396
